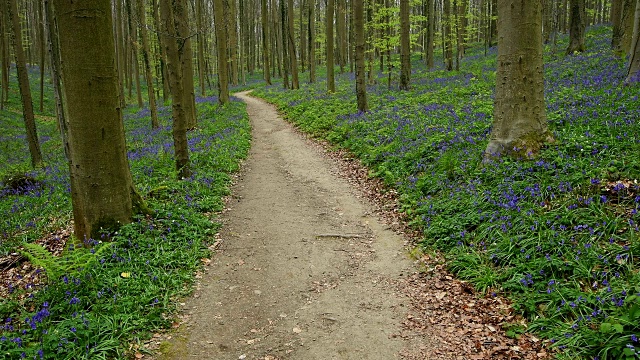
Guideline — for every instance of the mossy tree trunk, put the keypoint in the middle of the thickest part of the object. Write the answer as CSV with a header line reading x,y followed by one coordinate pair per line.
x,y
23,84
4,55
519,118
185,54
102,189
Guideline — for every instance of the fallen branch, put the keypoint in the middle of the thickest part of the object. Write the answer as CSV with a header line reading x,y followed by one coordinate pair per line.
x,y
342,236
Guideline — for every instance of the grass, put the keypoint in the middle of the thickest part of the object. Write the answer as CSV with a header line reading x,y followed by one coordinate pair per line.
x,y
557,234
103,301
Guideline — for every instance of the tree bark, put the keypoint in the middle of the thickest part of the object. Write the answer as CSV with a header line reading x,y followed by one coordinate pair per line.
x,y
295,84
361,86
577,26
405,43
201,41
23,83
183,33
312,41
446,31
232,36
265,43
634,60
102,190
221,41
163,57
142,18
520,122
331,81
4,55
430,33
285,44
171,41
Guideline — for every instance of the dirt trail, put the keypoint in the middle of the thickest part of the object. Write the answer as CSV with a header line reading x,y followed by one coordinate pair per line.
x,y
304,269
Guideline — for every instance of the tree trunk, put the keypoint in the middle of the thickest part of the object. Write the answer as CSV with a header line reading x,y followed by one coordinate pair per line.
x,y
405,43
331,81
56,76
295,84
142,18
102,191
4,55
430,33
221,41
634,61
23,83
285,44
163,57
134,54
628,10
265,43
41,42
577,26
119,49
520,122
171,41
312,41
181,18
303,38
361,86
201,40
232,36
446,31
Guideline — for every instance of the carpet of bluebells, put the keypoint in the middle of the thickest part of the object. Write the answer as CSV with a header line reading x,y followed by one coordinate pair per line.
x,y
557,234
120,291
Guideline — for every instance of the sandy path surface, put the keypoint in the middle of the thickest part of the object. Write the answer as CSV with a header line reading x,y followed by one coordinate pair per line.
x,y
304,269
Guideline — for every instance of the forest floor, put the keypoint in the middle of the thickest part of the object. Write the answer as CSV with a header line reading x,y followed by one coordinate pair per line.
x,y
313,263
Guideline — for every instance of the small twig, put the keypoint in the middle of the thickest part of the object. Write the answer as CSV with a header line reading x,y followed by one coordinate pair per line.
x,y
342,236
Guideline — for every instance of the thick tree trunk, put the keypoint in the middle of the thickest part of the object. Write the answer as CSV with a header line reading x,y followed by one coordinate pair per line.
x,y
405,43
23,83
102,189
633,70
265,43
221,42
295,84
146,59
361,86
171,41
181,18
628,10
578,24
331,81
519,118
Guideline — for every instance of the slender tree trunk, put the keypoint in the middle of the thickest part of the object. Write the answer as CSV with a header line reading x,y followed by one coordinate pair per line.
x,y
405,43
171,42
303,37
633,69
265,43
312,41
446,31
361,86
4,55
578,24
233,41
221,41
23,83
181,18
295,84
370,77
41,43
331,82
134,54
520,122
163,57
142,18
56,76
430,33
119,49
102,191
201,40
285,44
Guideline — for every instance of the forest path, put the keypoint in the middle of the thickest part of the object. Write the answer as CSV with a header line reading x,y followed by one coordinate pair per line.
x,y
304,269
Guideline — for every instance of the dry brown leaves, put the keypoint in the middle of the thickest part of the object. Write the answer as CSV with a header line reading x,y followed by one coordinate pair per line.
x,y
19,276
462,324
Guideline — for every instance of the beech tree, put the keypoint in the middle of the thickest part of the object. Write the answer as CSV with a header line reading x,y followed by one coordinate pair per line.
x,y
519,117
331,81
265,48
146,59
577,26
405,45
23,84
361,87
102,191
221,41
633,69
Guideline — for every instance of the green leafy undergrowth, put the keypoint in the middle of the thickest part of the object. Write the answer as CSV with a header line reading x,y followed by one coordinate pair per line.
x,y
100,298
557,234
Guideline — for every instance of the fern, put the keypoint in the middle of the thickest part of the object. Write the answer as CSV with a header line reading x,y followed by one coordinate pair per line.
x,y
54,267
